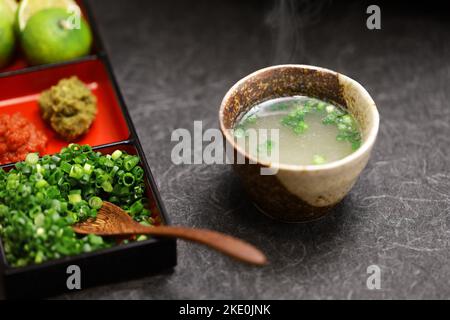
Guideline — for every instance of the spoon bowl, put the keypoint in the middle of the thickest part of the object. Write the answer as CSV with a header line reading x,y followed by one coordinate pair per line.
x,y
114,221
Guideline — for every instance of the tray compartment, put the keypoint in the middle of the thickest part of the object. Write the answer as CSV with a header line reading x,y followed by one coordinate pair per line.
x,y
119,263
20,93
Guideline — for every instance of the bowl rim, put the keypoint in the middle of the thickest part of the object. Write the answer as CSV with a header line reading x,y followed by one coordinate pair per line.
x,y
365,148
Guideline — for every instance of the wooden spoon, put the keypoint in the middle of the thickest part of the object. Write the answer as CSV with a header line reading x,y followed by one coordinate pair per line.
x,y
113,221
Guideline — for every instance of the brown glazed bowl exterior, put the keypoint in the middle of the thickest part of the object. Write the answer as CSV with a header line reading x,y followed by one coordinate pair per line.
x,y
300,193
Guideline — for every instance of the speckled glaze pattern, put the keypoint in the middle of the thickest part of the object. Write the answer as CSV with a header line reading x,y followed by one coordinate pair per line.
x,y
300,193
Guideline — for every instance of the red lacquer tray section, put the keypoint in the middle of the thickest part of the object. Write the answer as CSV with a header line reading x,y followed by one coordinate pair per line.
x,y
20,93
19,62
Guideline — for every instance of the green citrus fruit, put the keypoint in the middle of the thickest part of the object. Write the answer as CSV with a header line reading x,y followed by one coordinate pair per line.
x,y
8,10
7,36
50,37
28,8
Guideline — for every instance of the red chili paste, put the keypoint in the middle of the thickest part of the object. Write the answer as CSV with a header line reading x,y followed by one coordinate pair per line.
x,y
18,137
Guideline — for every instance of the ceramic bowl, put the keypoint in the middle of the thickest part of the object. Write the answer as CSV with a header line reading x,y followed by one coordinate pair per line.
x,y
298,193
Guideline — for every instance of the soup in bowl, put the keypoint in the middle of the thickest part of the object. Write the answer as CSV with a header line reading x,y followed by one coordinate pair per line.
x,y
305,134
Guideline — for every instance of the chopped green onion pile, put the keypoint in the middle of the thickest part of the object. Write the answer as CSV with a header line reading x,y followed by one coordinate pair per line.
x,y
346,124
40,199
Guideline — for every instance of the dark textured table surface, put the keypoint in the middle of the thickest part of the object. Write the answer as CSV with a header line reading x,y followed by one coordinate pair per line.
x,y
175,60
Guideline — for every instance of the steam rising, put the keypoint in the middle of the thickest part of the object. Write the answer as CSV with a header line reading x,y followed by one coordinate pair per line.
x,y
288,19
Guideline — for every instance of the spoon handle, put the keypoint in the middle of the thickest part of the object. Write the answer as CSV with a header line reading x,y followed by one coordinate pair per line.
x,y
228,245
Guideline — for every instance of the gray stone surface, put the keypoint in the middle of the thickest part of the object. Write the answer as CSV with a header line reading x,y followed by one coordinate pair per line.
x,y
174,62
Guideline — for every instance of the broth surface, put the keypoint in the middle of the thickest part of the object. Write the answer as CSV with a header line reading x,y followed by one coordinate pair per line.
x,y
311,131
